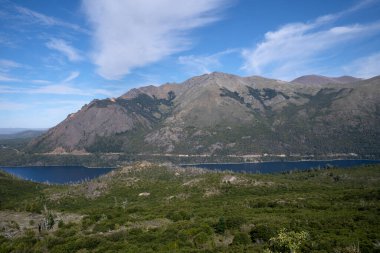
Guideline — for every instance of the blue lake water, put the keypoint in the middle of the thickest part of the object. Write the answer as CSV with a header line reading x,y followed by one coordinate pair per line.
x,y
276,167
73,174
56,174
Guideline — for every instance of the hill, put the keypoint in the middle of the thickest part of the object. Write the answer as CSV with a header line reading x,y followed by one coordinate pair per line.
x,y
24,134
223,114
159,208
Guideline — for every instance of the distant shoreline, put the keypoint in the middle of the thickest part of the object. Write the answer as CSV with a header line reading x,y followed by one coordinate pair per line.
x,y
295,161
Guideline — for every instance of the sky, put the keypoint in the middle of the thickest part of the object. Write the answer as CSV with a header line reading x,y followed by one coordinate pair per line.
x,y
56,56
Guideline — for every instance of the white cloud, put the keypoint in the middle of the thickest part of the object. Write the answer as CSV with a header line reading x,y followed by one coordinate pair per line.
x,y
33,16
39,81
73,75
58,89
65,48
364,67
5,89
54,89
6,78
296,48
131,34
292,47
203,64
12,106
8,64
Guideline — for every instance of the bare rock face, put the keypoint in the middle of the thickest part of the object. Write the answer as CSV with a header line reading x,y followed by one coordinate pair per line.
x,y
208,113
98,119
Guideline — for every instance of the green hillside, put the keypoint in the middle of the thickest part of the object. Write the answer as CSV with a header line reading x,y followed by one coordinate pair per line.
x,y
156,208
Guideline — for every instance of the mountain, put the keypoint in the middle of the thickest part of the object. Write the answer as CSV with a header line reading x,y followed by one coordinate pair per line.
x,y
18,130
322,80
223,114
20,133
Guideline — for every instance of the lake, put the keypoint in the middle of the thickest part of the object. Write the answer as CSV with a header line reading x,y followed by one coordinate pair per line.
x,y
74,174
280,166
56,174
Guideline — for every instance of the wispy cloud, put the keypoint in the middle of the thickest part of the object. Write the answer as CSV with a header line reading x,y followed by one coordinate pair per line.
x,y
286,52
201,64
130,34
55,89
36,17
63,87
6,78
39,81
65,48
73,75
12,106
364,67
9,64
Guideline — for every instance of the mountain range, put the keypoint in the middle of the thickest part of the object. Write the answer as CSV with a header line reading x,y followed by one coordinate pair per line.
x,y
19,133
224,114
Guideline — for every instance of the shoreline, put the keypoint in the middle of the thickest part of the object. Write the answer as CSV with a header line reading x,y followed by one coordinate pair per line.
x,y
280,161
202,163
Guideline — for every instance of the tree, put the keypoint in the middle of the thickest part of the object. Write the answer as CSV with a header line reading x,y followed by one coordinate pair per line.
x,y
220,227
49,221
290,240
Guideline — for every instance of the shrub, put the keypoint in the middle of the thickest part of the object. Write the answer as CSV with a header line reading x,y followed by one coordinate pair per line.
x,y
261,233
61,224
289,240
201,239
241,238
178,215
234,222
220,227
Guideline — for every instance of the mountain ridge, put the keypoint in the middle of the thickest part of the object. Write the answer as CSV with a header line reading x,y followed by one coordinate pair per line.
x,y
220,113
318,80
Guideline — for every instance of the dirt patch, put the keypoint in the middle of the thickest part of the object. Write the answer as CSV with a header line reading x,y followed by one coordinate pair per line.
x,y
192,182
149,224
229,179
211,192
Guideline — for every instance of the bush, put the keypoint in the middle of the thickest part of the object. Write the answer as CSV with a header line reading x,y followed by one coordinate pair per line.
x,y
179,215
289,240
104,227
241,239
201,239
234,222
220,227
49,221
61,224
262,233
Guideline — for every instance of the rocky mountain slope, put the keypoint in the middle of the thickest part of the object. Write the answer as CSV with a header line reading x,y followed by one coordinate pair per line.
x,y
225,114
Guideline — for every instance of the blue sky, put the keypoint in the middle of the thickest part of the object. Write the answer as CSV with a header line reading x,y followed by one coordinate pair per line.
x,y
56,56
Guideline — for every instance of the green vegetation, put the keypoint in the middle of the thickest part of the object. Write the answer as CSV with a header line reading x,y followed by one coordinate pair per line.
x,y
157,208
